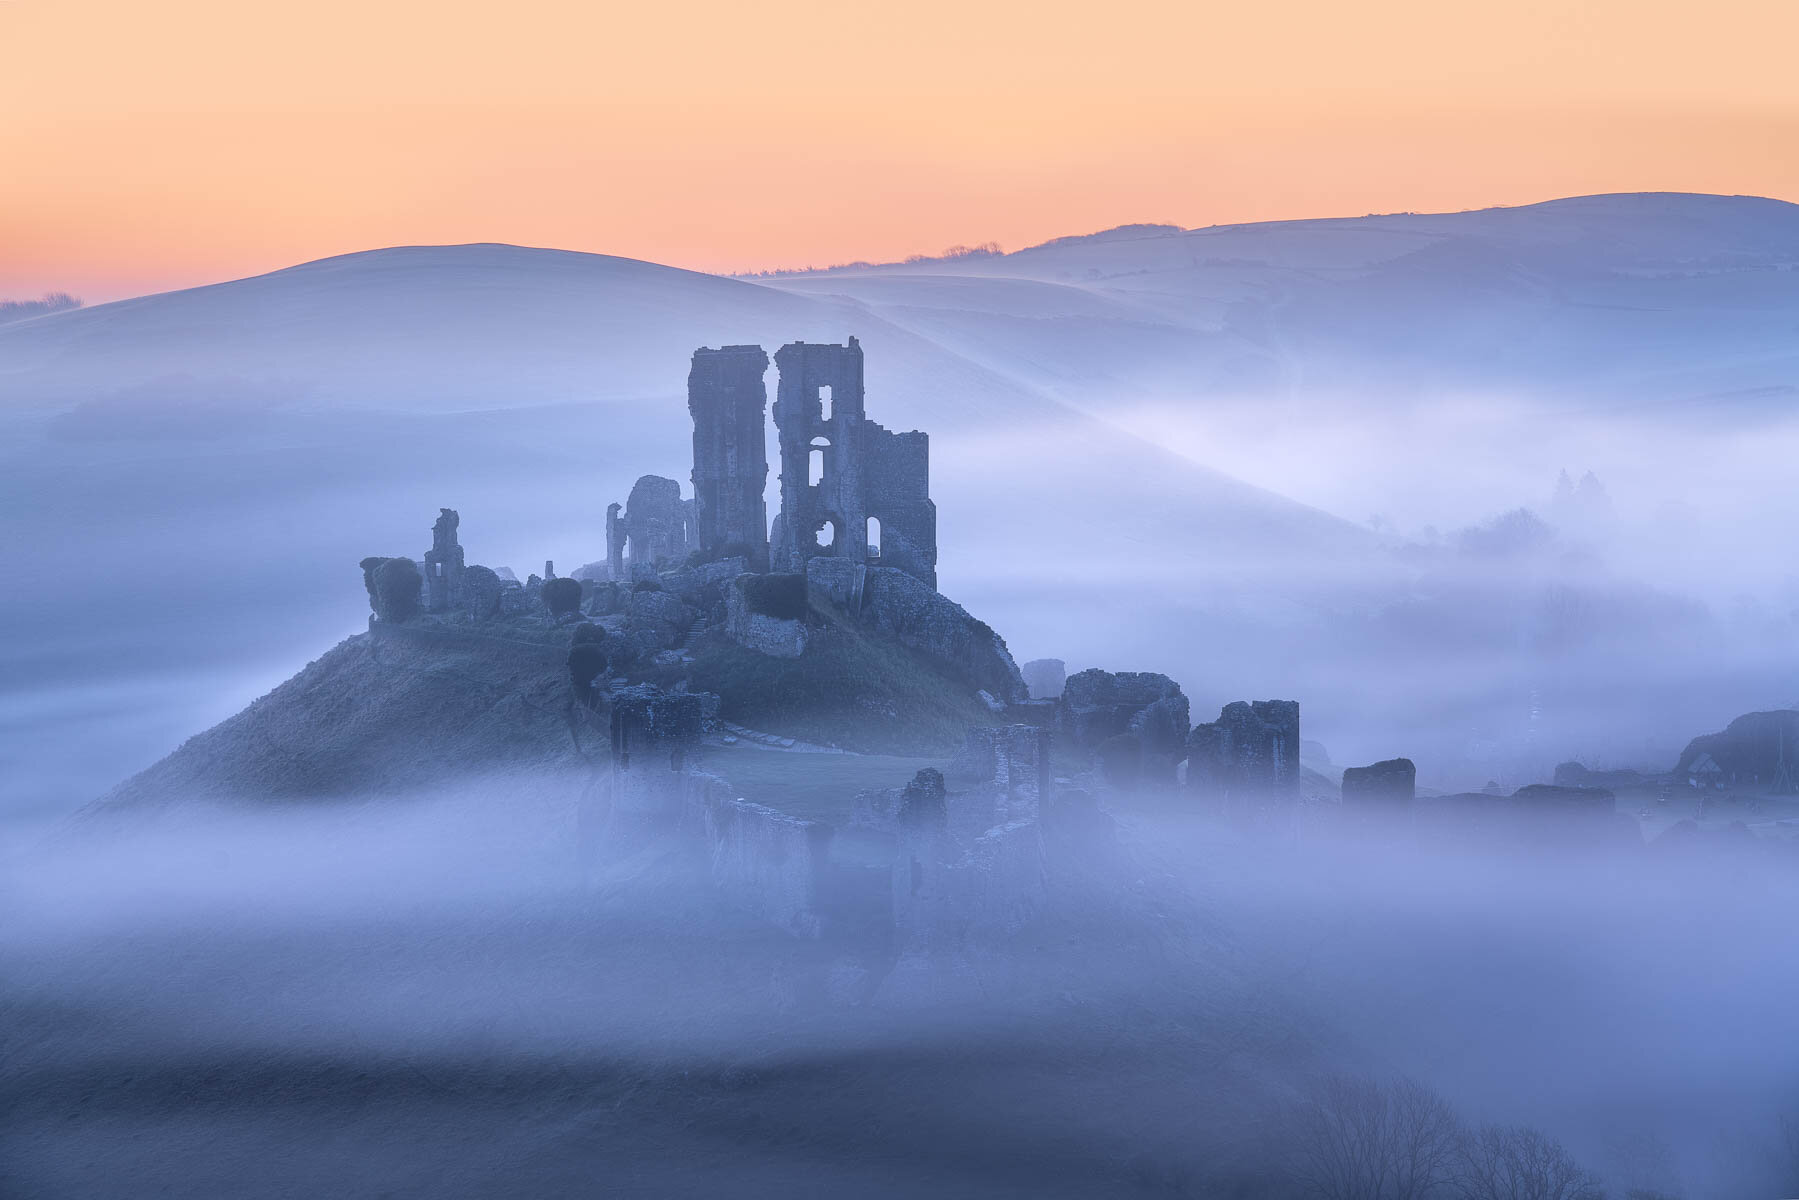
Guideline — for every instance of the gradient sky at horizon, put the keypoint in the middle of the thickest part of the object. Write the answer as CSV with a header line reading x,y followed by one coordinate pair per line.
x,y
152,146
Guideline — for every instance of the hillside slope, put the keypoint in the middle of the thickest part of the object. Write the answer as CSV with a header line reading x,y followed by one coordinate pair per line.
x,y
1618,298
373,719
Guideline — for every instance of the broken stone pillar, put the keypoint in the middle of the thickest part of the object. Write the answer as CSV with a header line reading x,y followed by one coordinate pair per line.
x,y
444,564
615,544
728,400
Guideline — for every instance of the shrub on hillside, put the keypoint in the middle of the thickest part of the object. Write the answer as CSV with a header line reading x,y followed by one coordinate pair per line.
x,y
481,588
562,596
586,631
370,565
780,596
586,662
397,586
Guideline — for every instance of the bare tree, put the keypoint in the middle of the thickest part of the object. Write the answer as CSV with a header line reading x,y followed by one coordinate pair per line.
x,y
1423,1132
1355,1138
1519,1163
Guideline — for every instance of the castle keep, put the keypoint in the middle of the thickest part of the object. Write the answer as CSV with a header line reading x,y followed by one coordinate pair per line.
x,y
728,401
850,489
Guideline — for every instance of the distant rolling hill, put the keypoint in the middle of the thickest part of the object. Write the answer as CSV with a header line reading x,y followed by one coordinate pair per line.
x,y
1626,298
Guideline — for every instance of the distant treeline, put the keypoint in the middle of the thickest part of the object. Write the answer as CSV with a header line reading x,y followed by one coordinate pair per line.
x,y
18,310
984,250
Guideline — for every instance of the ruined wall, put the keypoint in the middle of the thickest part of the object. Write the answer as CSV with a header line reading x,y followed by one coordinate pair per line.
x,y
728,401
866,472
444,564
655,524
896,495
1096,706
777,630
654,734
766,863
1249,756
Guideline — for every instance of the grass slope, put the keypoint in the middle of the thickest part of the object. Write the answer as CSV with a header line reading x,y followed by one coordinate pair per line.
x,y
364,720
850,689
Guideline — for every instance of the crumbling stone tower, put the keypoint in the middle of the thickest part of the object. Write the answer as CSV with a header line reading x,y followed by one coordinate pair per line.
x,y
849,488
655,531
729,402
444,564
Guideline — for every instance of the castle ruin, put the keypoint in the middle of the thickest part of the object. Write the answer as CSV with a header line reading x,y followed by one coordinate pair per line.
x,y
655,531
729,402
849,487
444,564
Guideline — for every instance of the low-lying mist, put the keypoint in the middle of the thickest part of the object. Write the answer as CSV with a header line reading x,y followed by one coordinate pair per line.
x,y
434,996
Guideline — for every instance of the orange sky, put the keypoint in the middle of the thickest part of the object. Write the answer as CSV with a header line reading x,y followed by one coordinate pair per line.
x,y
148,144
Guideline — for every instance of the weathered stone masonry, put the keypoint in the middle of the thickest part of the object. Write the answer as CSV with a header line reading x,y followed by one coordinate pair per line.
x,y
849,487
728,401
444,563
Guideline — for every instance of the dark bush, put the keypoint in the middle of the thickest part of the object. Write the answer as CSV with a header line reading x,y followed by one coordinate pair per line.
x,y
562,596
481,589
780,596
369,566
586,662
621,651
397,584
585,632
647,585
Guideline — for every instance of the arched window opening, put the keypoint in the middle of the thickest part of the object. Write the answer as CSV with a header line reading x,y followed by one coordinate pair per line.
x,y
874,537
815,461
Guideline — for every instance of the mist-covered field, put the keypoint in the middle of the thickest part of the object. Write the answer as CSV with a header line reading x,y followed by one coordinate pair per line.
x,y
434,997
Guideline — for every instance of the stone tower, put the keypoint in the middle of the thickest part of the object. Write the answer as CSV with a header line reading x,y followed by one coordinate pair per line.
x,y
729,401
444,564
849,488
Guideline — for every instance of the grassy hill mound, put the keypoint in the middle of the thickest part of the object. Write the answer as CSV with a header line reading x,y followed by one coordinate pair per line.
x,y
375,718
852,688
423,705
